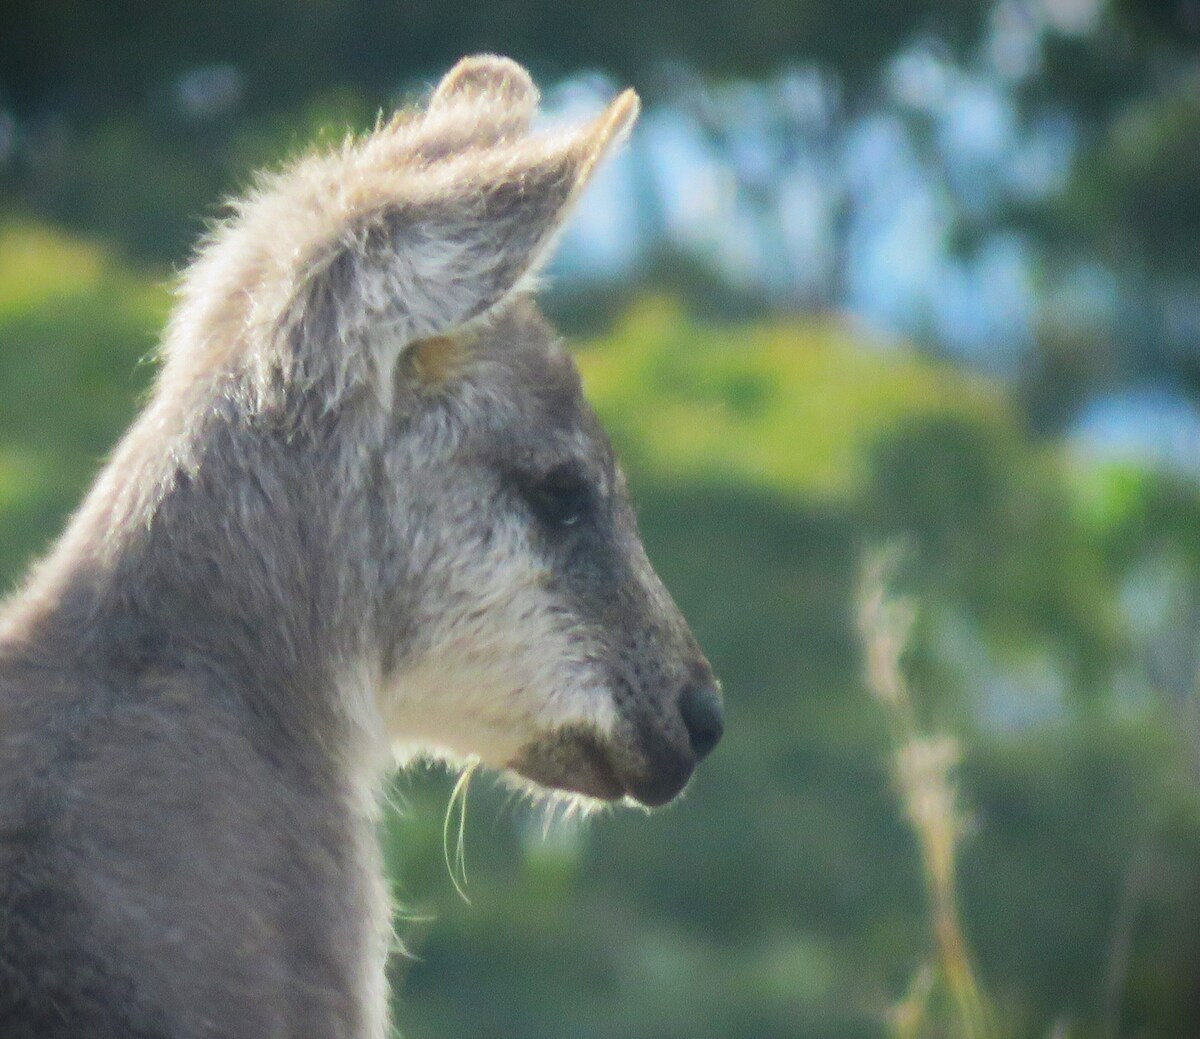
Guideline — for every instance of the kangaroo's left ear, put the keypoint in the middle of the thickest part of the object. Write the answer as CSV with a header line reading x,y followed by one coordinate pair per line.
x,y
473,228
343,260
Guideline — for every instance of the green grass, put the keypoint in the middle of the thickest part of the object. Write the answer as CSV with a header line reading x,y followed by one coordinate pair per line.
x,y
75,327
793,407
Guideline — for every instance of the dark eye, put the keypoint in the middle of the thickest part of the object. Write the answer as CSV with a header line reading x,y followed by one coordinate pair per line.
x,y
560,498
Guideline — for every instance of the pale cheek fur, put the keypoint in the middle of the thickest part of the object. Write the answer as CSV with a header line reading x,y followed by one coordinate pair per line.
x,y
507,666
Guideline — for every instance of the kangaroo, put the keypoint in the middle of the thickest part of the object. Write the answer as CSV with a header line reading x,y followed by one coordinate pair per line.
x,y
366,514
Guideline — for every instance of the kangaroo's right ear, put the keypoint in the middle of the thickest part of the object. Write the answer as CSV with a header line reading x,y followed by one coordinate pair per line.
x,y
489,84
482,101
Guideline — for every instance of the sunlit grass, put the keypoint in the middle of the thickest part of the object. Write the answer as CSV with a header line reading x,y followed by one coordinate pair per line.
x,y
75,326
786,405
41,267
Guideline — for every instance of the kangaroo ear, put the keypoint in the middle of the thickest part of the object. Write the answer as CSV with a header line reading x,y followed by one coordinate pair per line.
x,y
343,260
488,81
482,101
478,227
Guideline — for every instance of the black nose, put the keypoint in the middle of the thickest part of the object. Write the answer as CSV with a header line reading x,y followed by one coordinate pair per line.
x,y
703,716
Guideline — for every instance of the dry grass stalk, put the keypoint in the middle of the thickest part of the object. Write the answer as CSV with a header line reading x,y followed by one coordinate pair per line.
x,y
922,768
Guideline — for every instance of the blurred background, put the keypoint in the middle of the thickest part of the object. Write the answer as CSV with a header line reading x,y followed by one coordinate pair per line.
x,y
917,274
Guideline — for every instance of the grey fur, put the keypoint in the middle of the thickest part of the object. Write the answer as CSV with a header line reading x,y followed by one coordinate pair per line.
x,y
366,514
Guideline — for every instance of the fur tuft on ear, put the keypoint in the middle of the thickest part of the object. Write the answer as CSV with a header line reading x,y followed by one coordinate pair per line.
x,y
490,80
339,262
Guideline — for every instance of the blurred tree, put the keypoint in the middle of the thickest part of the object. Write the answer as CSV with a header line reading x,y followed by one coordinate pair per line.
x,y
104,58
181,100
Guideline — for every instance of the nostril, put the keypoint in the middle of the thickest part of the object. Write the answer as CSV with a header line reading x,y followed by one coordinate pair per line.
x,y
703,716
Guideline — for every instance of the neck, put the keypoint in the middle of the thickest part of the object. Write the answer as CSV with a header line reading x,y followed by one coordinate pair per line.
x,y
213,549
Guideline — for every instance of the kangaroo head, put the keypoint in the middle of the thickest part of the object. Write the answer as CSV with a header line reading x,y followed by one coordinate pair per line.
x,y
371,308
531,630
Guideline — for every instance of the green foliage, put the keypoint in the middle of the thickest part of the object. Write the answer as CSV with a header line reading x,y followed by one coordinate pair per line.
x,y
730,404
114,54
74,328
1140,192
784,896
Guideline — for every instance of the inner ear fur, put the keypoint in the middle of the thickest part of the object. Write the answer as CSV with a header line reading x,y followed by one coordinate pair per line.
x,y
435,361
482,223
472,226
